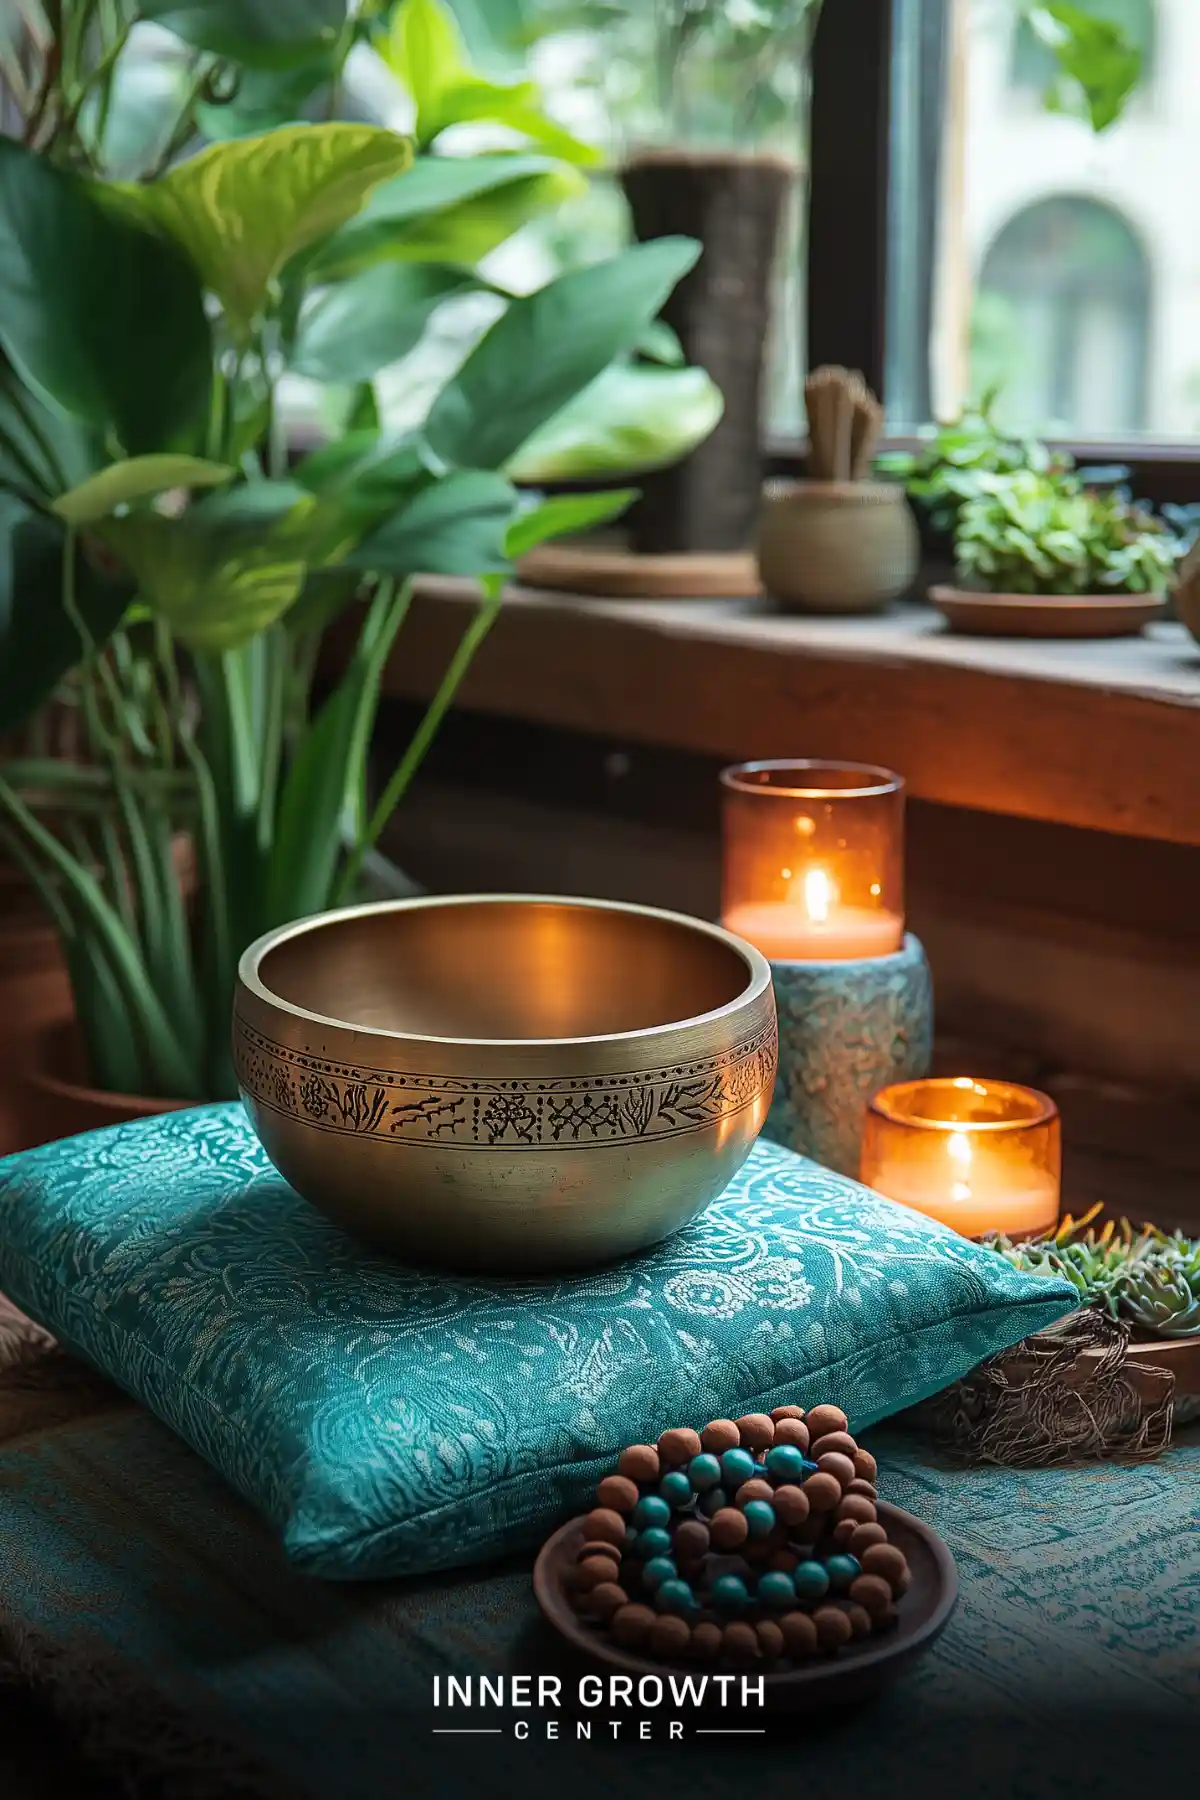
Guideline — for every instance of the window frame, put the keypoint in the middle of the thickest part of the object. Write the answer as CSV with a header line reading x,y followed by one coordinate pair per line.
x,y
862,68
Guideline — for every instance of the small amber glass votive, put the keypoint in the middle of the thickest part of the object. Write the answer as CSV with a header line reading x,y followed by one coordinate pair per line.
x,y
813,859
978,1155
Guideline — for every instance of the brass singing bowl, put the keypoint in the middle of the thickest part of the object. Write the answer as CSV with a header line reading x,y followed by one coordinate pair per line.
x,y
506,1082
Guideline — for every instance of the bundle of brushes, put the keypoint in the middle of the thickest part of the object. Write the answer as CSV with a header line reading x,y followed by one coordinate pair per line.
x,y
1145,1276
845,422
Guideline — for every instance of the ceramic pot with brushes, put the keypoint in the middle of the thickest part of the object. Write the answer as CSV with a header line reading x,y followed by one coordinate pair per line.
x,y
838,542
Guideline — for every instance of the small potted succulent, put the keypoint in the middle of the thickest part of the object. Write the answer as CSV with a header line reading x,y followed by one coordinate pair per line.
x,y
1146,1279
1111,1379
1039,553
1149,1277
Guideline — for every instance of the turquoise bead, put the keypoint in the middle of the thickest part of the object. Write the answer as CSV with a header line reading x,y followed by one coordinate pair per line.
x,y
712,1502
704,1472
737,1466
658,1570
653,1542
729,1594
760,1517
776,1588
810,1468
650,1510
842,1570
675,1596
786,1463
675,1488
810,1581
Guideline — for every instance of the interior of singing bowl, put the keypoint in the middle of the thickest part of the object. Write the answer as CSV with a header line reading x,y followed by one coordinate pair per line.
x,y
508,970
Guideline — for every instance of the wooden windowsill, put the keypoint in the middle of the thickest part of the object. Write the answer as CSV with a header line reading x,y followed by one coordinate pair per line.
x,y
1103,735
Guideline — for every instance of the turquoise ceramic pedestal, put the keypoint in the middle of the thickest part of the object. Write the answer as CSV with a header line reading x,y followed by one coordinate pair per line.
x,y
846,1029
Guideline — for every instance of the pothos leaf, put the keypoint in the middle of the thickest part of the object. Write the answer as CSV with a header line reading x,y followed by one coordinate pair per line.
x,y
448,209
213,585
254,33
96,312
562,515
40,640
244,208
424,48
137,479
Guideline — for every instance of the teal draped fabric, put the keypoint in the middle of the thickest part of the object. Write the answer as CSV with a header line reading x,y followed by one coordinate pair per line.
x,y
389,1420
156,1611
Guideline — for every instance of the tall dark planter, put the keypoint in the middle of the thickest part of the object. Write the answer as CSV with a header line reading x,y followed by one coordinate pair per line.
x,y
733,203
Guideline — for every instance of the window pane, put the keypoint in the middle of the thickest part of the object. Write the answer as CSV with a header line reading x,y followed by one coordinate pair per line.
x,y
626,73
1058,265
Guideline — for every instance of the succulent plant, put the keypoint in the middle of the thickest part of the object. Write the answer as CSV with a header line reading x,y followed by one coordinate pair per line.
x,y
1147,1276
1163,1303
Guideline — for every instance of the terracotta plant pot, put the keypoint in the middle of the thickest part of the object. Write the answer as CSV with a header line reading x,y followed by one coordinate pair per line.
x,y
34,992
43,1075
55,1100
836,546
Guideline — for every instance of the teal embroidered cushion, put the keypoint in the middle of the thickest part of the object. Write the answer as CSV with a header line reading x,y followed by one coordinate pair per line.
x,y
390,1420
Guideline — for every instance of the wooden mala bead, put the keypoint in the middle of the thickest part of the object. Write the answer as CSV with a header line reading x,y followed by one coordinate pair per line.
x,y
822,1419
639,1462
839,1442
632,1625
618,1493
756,1431
678,1446
719,1435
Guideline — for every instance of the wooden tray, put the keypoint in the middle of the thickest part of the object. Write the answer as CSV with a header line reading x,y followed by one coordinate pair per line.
x,y
1049,616
1180,1355
1145,1365
827,1681
607,570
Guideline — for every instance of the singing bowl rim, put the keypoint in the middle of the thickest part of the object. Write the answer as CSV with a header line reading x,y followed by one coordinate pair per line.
x,y
758,969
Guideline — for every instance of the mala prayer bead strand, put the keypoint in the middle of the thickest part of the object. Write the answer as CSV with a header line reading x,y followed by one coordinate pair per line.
x,y
754,1540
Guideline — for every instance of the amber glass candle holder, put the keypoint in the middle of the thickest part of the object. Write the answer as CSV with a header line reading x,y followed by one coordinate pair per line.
x,y
813,867
979,1155
814,878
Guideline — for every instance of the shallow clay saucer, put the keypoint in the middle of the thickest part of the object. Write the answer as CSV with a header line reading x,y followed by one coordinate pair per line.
x,y
1046,616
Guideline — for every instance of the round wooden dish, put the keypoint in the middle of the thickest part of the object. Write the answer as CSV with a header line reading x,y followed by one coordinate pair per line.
x,y
1046,615
826,1681
606,570
1181,1357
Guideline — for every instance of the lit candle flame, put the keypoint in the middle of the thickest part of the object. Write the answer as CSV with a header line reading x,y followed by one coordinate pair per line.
x,y
820,895
958,1148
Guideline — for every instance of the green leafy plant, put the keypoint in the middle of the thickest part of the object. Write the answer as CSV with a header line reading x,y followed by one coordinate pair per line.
x,y
1044,532
1147,1276
1098,66
159,544
945,473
